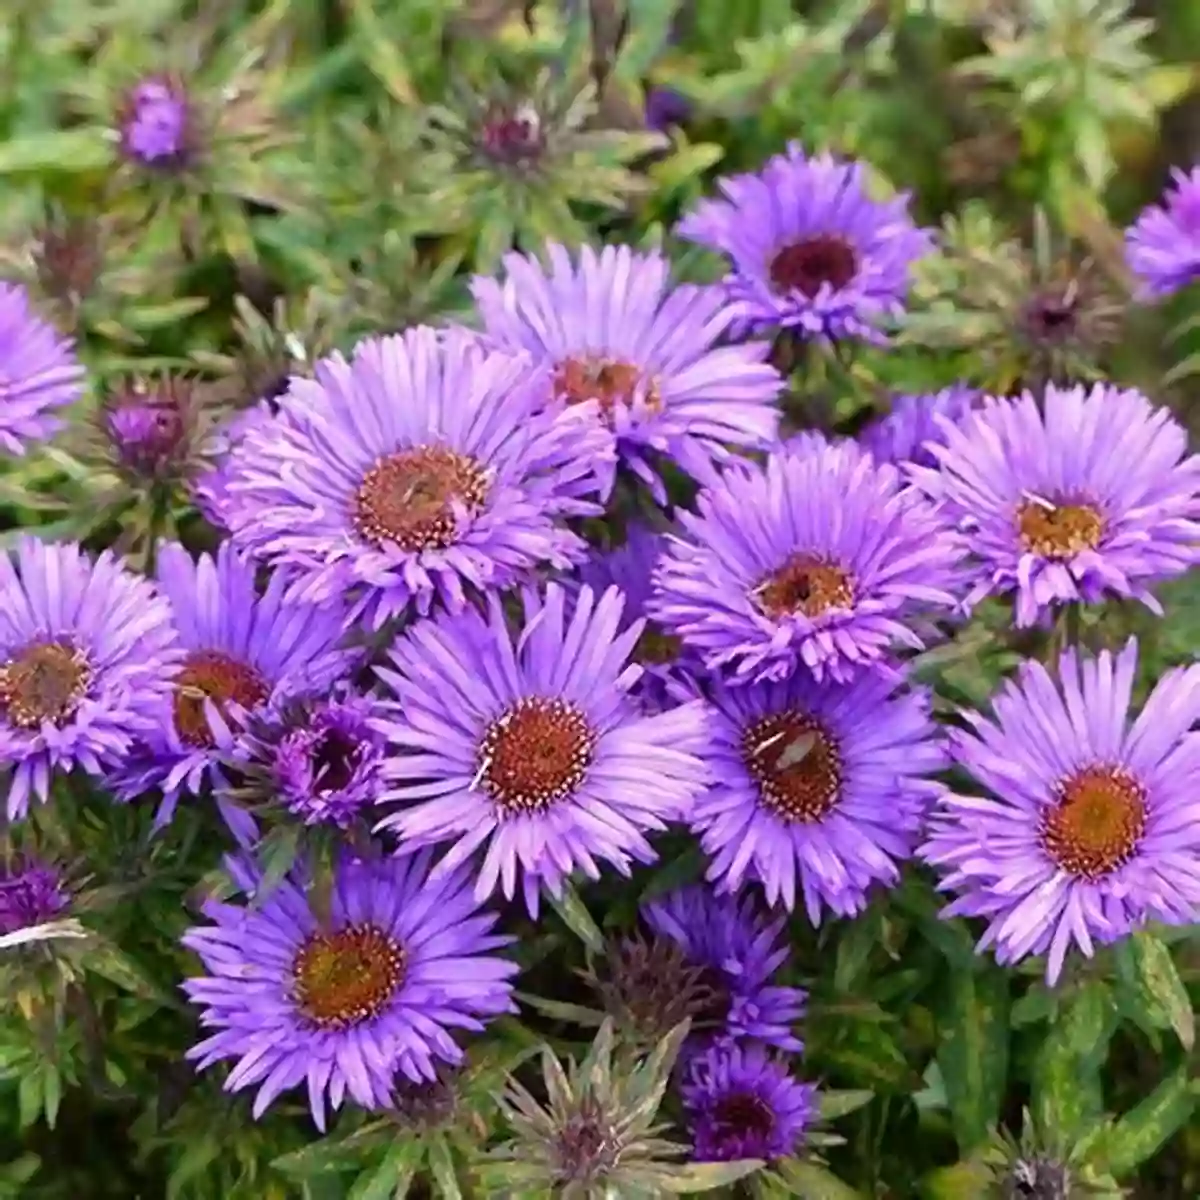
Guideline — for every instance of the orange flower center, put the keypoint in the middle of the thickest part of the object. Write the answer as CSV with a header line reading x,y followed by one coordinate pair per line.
x,y
608,381
345,978
796,765
1097,823
1059,530
805,584
213,675
44,682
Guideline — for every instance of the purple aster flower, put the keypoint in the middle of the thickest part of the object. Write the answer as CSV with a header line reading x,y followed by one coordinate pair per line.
x,y
742,1102
345,1002
904,434
31,893
87,654
153,431
210,489
38,372
156,124
817,558
526,744
739,950
1092,826
810,250
423,465
1089,495
820,788
245,652
322,759
1163,246
614,330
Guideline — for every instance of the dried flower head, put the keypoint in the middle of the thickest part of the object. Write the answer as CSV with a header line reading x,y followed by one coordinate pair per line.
x,y
1034,1168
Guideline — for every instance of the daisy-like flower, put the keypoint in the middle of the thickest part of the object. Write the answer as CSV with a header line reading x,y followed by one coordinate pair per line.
x,y
613,330
30,893
904,434
347,1002
739,951
87,653
1163,246
244,653
210,488
742,1102
38,372
1093,824
819,558
809,249
1090,494
526,745
424,465
819,788
322,760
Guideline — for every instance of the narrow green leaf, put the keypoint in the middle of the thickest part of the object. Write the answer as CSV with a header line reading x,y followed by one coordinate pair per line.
x,y
973,1031
811,1181
63,151
392,1176
1150,987
1067,1094
832,1103
963,1181
572,910
1140,1132
705,1177
277,855
576,1014
441,1166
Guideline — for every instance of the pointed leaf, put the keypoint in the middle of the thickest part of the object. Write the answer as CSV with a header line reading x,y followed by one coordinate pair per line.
x,y
811,1181
1150,987
56,151
973,1031
577,918
832,1104
392,1176
441,1167
705,1177
1141,1131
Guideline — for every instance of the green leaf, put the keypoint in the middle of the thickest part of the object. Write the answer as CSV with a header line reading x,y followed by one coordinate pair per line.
x,y
441,1166
560,1010
194,1161
117,967
811,1181
704,1177
1067,1094
963,1181
832,1103
1150,989
572,910
1141,1131
277,855
64,151
973,1030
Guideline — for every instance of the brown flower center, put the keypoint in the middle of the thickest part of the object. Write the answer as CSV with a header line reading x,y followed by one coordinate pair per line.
x,y
347,977
805,266
223,680
44,682
1059,530
608,381
405,498
796,765
742,1113
536,754
1097,823
805,584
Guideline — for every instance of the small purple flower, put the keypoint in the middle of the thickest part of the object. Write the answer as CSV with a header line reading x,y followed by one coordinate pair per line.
x,y
1163,246
820,788
904,434
30,894
740,950
245,653
87,654
809,249
322,760
613,330
424,466
210,489
526,745
1088,495
152,430
1092,825
666,108
346,1001
742,1102
817,559
156,123
38,372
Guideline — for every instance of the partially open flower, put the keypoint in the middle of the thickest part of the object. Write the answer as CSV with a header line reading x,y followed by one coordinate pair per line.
x,y
31,893
157,124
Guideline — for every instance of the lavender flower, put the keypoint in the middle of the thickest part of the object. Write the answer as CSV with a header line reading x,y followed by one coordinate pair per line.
x,y
423,466
904,434
739,951
1163,246
666,108
31,893
244,653
526,745
153,431
820,788
613,330
87,652
210,489
38,372
1092,494
1093,824
155,124
743,1103
818,559
346,1002
810,250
